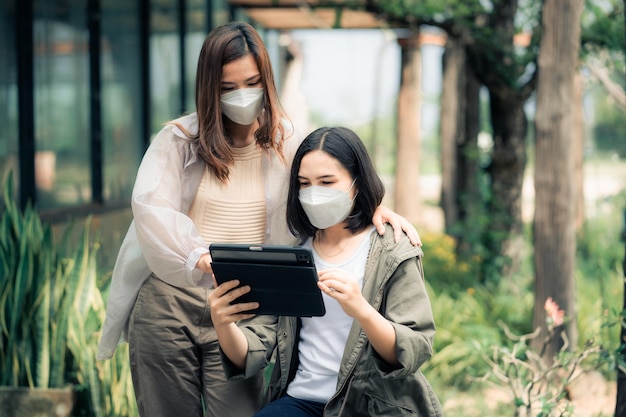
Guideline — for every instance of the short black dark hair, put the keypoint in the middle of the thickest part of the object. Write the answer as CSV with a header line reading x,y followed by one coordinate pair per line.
x,y
346,147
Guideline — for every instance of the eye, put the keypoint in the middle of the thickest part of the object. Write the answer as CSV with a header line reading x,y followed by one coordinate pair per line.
x,y
304,184
226,89
254,83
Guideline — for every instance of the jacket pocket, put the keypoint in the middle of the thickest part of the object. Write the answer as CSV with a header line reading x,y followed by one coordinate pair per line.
x,y
377,406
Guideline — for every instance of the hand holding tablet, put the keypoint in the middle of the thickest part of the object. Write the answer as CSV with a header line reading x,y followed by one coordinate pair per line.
x,y
283,279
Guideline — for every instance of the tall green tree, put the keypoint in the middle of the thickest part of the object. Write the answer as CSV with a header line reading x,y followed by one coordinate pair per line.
x,y
486,31
499,42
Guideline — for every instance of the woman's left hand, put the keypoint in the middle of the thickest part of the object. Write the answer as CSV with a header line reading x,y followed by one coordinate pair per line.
x,y
343,287
400,224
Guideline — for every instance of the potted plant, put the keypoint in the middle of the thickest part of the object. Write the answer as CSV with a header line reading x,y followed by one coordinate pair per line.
x,y
44,295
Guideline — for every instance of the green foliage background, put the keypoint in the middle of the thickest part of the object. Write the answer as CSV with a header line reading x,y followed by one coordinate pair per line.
x,y
466,312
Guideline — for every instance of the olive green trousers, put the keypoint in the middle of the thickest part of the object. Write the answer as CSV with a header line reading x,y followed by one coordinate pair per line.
x,y
175,361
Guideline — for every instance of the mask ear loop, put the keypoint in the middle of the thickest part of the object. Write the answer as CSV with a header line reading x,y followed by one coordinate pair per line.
x,y
357,191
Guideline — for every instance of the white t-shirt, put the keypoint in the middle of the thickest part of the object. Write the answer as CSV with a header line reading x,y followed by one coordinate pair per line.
x,y
323,339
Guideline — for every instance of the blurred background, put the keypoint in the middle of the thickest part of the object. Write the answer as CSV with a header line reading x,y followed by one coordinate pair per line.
x,y
498,128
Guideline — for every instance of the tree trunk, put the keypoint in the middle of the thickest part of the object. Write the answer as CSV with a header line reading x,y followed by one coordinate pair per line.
x,y
407,193
451,125
578,149
292,98
554,234
460,124
492,64
620,403
503,238
470,201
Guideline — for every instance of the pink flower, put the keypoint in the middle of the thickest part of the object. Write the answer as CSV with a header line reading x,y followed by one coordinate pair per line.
x,y
554,316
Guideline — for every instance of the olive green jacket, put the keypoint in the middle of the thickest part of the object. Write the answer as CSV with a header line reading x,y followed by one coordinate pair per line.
x,y
367,385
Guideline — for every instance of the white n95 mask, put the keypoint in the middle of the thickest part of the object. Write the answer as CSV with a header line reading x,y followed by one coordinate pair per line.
x,y
325,207
242,106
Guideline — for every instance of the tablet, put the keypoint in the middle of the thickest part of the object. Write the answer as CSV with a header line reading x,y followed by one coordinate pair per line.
x,y
282,279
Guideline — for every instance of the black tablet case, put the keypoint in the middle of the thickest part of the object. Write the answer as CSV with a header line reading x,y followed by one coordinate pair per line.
x,y
283,279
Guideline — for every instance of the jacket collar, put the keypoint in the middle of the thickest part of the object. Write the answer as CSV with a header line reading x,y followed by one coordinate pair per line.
x,y
188,122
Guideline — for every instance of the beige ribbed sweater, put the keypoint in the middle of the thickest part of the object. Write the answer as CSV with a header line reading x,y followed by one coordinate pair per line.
x,y
232,212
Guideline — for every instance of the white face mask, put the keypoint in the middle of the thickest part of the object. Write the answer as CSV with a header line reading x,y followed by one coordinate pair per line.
x,y
325,207
242,106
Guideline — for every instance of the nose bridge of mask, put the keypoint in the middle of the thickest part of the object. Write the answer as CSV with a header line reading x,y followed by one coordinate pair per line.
x,y
319,194
242,97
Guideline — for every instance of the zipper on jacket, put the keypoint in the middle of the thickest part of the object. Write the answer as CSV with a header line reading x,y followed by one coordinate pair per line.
x,y
345,398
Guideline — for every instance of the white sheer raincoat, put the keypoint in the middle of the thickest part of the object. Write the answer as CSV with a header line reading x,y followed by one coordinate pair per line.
x,y
162,239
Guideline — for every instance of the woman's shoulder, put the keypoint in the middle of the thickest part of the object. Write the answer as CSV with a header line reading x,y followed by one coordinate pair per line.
x,y
176,133
403,248
185,126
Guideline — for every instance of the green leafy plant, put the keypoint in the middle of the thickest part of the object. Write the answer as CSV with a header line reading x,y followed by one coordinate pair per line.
x,y
51,313
41,293
108,385
539,383
465,311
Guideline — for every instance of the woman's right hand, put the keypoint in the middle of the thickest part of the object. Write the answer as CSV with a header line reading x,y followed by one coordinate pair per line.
x,y
225,314
224,308
204,263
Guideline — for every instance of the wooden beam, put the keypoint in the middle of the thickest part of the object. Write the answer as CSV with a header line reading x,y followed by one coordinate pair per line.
x,y
320,18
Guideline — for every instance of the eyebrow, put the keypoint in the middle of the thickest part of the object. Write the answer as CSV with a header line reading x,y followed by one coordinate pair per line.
x,y
321,177
247,80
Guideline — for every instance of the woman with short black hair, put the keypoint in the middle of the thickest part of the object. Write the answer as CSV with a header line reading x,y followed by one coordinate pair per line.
x,y
363,357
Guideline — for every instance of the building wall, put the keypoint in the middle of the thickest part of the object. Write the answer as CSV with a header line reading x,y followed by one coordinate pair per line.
x,y
84,85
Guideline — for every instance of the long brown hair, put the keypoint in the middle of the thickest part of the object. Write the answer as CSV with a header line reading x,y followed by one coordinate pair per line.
x,y
225,44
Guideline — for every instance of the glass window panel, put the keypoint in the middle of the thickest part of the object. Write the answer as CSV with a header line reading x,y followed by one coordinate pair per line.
x,y
193,44
8,97
61,65
220,12
164,63
121,97
196,32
